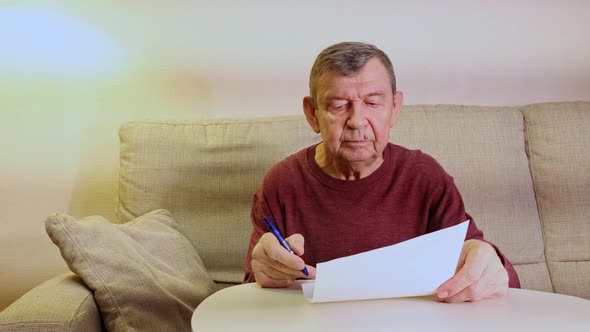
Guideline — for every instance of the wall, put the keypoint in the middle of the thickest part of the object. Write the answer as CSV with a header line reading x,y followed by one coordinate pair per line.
x,y
72,72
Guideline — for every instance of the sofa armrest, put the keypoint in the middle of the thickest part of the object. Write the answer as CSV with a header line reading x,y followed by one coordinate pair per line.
x,y
63,303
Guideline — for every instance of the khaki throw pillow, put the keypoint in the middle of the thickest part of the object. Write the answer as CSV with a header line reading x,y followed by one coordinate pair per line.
x,y
145,274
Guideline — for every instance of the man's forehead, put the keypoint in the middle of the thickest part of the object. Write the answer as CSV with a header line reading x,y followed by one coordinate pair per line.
x,y
373,78
343,87
371,91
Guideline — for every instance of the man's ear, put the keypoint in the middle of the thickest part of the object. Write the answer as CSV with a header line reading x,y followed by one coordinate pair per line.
x,y
310,113
398,100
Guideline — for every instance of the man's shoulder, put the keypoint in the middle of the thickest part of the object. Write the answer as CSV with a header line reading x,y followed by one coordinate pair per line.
x,y
289,166
415,160
412,156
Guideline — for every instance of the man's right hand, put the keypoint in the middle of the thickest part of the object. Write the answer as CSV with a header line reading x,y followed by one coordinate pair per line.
x,y
274,266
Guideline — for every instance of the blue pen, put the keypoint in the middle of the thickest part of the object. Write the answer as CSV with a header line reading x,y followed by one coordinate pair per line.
x,y
271,227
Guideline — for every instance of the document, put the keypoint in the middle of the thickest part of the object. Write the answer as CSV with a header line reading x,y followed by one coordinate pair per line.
x,y
416,267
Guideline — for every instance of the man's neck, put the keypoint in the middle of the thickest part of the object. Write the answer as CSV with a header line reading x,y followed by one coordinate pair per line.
x,y
345,170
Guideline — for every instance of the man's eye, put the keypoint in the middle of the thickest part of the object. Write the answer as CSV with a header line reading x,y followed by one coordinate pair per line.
x,y
339,107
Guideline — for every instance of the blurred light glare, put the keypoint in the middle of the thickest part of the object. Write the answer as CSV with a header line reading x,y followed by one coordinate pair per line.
x,y
45,42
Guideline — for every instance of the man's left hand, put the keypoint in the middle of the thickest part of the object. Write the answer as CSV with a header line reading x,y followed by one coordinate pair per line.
x,y
480,275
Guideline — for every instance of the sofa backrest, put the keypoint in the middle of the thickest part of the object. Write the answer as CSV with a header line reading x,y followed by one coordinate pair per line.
x,y
558,146
483,149
205,173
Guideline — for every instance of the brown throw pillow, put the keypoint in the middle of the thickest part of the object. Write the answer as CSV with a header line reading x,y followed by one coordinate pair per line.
x,y
145,274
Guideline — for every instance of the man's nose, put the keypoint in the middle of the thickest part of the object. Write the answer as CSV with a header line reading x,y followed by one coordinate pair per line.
x,y
357,118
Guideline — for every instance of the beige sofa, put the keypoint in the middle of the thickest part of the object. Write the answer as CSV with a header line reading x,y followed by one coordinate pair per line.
x,y
524,173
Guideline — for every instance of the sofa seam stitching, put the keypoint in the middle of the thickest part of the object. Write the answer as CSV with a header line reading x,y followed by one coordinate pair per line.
x,y
87,260
77,312
532,164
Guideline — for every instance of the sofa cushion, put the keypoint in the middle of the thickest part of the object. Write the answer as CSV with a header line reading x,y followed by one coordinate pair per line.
x,y
145,274
558,145
483,149
205,173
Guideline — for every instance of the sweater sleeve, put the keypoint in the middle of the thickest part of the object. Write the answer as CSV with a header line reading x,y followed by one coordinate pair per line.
x,y
258,229
266,202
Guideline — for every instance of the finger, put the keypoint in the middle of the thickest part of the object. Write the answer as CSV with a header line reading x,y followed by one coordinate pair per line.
x,y
311,271
472,293
476,261
276,265
271,271
461,261
275,251
261,259
492,284
266,276
296,242
266,281
269,251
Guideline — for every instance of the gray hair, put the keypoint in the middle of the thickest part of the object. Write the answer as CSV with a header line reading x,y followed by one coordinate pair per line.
x,y
347,58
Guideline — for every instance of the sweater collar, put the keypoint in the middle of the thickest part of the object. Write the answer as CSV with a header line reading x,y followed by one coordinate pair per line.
x,y
356,185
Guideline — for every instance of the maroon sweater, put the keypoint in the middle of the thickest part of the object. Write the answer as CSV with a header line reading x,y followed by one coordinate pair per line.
x,y
407,196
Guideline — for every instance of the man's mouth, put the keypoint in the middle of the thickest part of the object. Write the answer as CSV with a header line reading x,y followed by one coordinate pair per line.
x,y
356,142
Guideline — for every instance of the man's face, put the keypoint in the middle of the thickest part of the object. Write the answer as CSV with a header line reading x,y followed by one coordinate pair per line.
x,y
354,115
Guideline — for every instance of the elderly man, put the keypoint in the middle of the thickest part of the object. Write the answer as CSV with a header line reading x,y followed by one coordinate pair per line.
x,y
355,191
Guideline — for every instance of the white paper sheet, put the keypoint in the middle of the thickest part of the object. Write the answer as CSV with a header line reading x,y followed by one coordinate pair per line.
x,y
415,267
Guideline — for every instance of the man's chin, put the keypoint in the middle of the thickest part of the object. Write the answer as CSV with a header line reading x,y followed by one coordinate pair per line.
x,y
359,157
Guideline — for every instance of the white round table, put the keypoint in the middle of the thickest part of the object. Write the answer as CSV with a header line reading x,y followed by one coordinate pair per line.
x,y
249,307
